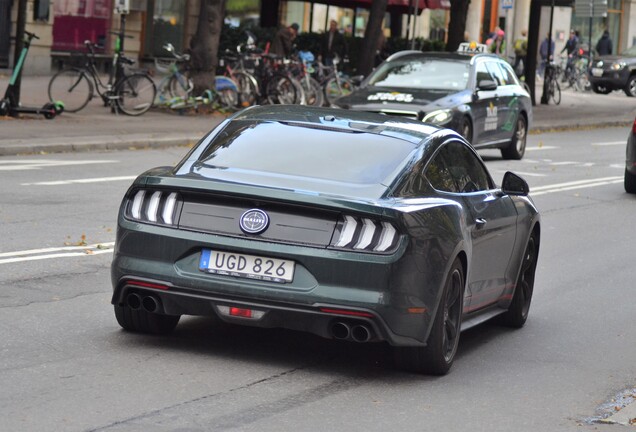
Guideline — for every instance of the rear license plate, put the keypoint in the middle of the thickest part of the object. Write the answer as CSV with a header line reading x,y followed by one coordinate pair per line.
x,y
597,72
246,266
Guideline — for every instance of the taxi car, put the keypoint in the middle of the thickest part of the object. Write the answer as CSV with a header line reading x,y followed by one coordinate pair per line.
x,y
348,225
478,95
617,72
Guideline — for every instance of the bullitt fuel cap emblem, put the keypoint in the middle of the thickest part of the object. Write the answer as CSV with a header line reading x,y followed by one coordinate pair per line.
x,y
254,221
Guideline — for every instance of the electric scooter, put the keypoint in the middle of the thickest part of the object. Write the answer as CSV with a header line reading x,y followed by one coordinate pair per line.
x,y
9,105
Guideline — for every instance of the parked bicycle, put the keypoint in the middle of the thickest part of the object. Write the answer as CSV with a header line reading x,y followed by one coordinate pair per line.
x,y
132,93
176,89
552,83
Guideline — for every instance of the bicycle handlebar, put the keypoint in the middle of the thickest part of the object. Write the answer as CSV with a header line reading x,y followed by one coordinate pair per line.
x,y
31,35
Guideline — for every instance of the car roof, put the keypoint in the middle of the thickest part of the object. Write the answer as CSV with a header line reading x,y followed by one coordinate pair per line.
x,y
469,58
340,120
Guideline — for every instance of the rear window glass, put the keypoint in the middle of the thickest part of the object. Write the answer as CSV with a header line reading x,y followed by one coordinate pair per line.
x,y
292,150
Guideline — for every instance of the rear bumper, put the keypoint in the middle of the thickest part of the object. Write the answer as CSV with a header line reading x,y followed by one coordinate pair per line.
x,y
325,320
382,292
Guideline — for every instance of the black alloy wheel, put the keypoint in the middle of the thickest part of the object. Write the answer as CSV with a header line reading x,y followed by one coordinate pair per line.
x,y
517,313
517,147
436,358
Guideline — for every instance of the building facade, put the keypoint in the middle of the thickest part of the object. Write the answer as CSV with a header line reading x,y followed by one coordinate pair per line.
x,y
63,25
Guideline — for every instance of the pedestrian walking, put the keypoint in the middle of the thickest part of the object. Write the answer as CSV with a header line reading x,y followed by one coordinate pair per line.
x,y
498,45
283,42
521,50
333,44
604,44
546,50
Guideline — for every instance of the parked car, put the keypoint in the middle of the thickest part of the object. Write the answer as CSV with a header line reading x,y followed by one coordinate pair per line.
x,y
347,225
630,161
617,72
477,95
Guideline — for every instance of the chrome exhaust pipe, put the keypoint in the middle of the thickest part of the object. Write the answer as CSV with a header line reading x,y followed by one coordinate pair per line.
x,y
133,301
360,333
340,330
150,304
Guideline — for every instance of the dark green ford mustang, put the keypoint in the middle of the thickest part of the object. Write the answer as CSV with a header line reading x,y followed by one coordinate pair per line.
x,y
348,225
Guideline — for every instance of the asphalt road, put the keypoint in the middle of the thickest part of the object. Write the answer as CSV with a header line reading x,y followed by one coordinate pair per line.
x,y
66,365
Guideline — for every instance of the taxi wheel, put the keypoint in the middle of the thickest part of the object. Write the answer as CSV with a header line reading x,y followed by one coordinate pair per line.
x,y
466,129
630,88
630,182
517,147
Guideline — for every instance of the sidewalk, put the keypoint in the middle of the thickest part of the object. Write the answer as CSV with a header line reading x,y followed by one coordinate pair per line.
x,y
95,128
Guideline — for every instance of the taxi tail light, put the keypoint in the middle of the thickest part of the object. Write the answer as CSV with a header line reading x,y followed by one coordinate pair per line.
x,y
364,234
157,207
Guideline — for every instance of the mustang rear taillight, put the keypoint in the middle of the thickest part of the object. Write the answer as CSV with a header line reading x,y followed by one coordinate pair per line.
x,y
157,207
364,234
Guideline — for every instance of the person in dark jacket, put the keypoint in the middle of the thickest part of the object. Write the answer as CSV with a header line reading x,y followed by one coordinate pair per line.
x,y
546,49
604,44
571,46
333,44
283,42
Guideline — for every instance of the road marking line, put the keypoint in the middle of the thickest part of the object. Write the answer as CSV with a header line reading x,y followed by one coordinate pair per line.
x,y
541,148
80,181
56,252
17,165
610,143
563,187
579,182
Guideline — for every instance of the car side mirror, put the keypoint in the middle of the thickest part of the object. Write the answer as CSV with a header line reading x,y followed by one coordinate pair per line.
x,y
514,185
487,85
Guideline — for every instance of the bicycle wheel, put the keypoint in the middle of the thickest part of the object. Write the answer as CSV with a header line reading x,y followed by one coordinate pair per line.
x,y
281,90
247,88
135,94
180,86
335,88
313,91
555,92
72,87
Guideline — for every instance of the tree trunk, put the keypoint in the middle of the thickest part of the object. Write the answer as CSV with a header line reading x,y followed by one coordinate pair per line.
x,y
204,45
372,36
457,23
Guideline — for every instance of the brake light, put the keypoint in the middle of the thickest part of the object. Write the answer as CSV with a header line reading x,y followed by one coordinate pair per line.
x,y
634,127
346,312
147,285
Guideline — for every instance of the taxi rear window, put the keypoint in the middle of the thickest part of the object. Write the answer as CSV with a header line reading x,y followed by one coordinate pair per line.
x,y
427,73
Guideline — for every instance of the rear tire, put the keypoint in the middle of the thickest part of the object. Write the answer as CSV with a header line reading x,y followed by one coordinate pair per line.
x,y
141,321
436,358
517,147
555,92
135,94
630,182
630,87
281,90
72,87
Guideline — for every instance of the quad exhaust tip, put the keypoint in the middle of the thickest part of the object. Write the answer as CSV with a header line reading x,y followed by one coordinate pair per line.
x,y
358,333
149,303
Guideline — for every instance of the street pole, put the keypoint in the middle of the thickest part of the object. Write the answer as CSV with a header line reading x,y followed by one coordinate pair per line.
x,y
544,94
19,44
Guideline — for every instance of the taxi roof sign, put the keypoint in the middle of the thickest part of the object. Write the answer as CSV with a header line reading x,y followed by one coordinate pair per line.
x,y
472,48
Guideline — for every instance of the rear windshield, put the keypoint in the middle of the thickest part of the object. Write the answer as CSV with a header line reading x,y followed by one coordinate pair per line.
x,y
422,73
320,153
